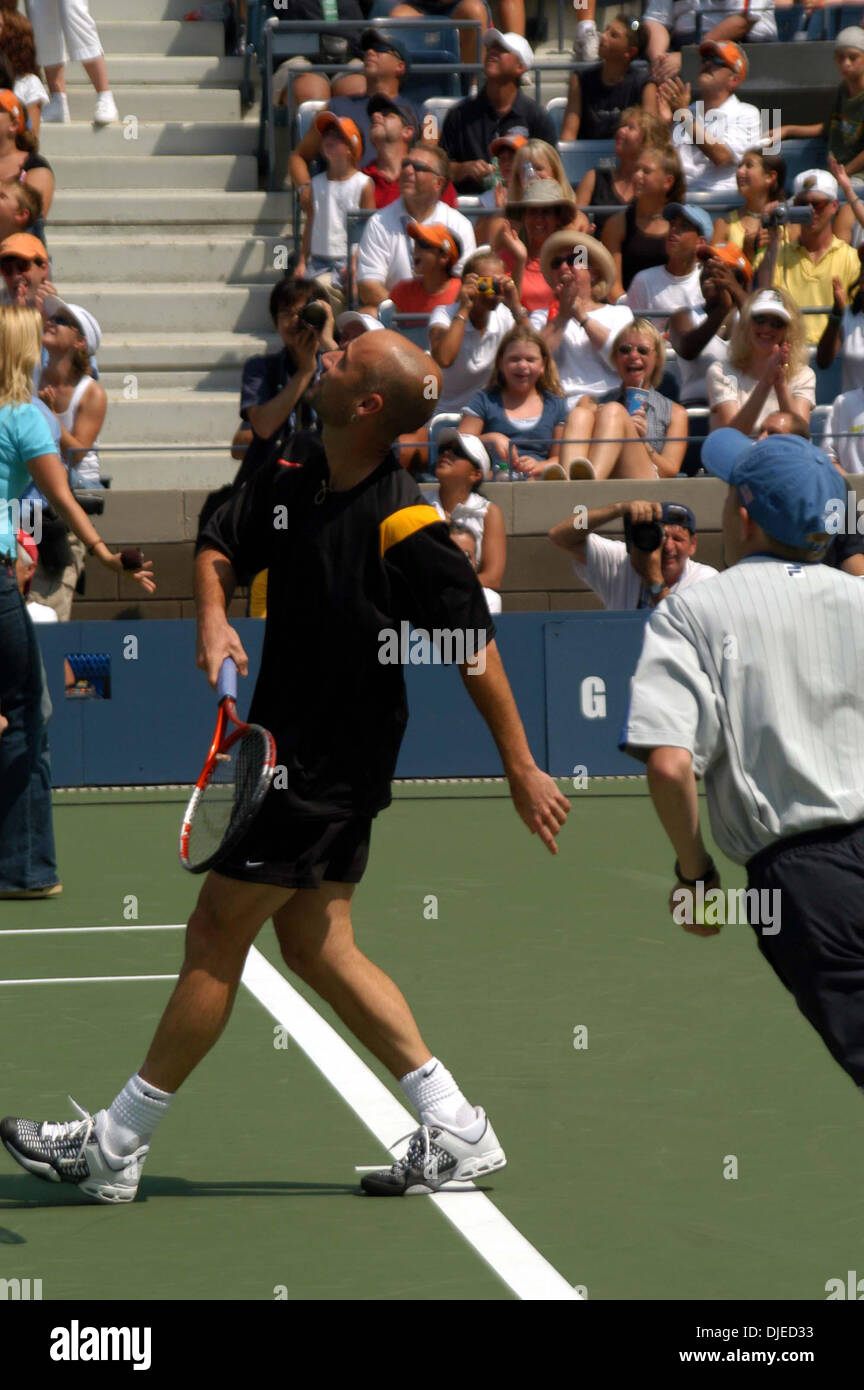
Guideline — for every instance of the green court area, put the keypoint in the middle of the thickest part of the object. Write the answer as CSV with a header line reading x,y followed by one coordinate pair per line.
x,y
697,1065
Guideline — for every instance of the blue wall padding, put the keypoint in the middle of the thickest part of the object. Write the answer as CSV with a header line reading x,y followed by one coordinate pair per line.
x,y
570,676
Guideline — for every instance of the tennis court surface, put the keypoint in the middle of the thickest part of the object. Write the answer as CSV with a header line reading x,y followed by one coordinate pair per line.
x,y
617,1149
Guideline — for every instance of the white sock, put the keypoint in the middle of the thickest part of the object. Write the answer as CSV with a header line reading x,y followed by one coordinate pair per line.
x,y
436,1097
133,1116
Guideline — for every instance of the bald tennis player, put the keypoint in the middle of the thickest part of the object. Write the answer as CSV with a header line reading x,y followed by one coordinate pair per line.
x,y
756,683
352,550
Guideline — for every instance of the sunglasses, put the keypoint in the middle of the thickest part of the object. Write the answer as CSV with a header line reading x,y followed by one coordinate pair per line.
x,y
713,63
626,349
63,321
572,258
769,321
10,264
418,168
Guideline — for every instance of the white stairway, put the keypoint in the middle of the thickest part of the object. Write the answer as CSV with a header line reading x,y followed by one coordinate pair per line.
x,y
159,229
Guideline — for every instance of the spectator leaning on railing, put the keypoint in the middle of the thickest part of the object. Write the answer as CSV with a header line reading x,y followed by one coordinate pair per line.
x,y
621,573
598,96
808,266
640,434
766,368
712,136
499,107
843,130
386,251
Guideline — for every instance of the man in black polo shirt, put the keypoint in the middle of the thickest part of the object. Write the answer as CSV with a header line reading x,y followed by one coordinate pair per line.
x,y
501,108
353,553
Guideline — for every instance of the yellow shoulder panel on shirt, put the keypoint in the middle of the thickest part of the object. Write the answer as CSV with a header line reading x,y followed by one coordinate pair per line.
x,y
398,525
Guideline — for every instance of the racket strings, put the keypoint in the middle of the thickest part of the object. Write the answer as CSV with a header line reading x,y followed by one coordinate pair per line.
x,y
237,783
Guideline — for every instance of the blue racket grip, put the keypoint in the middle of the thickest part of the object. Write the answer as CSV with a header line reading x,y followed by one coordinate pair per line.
x,y
227,682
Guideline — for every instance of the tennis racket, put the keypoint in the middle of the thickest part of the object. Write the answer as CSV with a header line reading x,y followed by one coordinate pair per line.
x,y
233,783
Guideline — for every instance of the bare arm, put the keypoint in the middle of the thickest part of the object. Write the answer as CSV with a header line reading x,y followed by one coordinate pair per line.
x,y
215,582
573,114
302,156
572,534
535,796
491,571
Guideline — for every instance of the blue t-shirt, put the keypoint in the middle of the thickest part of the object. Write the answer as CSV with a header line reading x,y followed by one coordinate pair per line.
x,y
535,440
24,435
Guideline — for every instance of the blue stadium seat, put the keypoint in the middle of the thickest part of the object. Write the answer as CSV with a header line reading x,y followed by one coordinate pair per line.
x,y
422,87
556,107
578,156
413,326
803,154
818,421
438,106
305,116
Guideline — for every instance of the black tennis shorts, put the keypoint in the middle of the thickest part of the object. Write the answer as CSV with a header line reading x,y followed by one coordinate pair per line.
x,y
290,852
818,952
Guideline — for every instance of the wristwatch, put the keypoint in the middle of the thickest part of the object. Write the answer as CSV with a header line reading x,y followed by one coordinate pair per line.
x,y
655,590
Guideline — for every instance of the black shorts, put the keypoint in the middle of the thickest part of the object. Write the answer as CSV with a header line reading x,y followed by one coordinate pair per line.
x,y
818,953
291,852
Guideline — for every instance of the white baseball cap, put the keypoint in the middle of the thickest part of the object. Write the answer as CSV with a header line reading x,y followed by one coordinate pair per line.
x,y
369,324
815,181
769,302
469,446
851,37
514,43
90,329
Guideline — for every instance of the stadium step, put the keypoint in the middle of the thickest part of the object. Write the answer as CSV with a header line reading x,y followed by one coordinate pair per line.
x,y
147,469
183,102
151,258
135,137
132,353
230,173
167,38
148,69
172,417
193,308
104,11
154,207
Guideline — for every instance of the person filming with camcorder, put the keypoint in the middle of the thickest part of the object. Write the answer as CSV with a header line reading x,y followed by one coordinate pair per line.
x,y
655,558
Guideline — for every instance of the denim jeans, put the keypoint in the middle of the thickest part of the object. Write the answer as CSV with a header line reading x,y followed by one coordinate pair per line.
x,y
27,858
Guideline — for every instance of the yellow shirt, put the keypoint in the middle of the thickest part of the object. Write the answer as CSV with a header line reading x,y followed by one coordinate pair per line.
x,y
809,282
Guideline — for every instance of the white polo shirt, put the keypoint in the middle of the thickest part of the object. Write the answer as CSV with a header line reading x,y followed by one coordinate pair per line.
x,y
386,250
657,291
736,125
760,677
844,431
608,571
582,370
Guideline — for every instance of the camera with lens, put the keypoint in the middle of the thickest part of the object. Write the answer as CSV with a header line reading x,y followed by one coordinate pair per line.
x,y
800,213
313,315
487,286
643,535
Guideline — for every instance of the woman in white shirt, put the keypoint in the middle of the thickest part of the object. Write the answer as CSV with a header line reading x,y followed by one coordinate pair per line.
x,y
767,366
19,49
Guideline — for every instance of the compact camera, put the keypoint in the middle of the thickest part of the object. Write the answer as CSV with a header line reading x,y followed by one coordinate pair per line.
x,y
487,286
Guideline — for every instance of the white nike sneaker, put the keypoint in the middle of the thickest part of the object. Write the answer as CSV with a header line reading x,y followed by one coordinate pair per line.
x,y
106,109
72,1152
56,109
436,1158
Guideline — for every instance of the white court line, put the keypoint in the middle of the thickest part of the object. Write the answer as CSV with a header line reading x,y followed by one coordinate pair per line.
x,y
512,1257
51,931
86,979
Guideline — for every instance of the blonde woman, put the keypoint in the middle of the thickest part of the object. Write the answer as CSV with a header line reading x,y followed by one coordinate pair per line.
x,y
641,434
602,187
766,368
28,867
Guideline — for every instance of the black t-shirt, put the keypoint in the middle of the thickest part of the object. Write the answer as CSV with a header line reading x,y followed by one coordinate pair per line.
x,y
345,572
842,547
471,126
602,105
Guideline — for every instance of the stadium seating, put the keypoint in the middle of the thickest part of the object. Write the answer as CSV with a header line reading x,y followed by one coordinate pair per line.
x,y
413,326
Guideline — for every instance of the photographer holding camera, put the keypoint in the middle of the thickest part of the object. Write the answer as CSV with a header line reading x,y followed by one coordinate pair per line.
x,y
464,337
806,267
654,560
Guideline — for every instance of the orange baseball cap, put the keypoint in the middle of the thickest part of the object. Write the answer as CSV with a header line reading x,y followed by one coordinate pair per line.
x,y
734,256
26,542
9,102
23,244
729,53
436,234
513,142
346,127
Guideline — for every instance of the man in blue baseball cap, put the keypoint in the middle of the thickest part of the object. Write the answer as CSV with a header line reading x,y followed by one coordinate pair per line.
x,y
755,683
655,558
